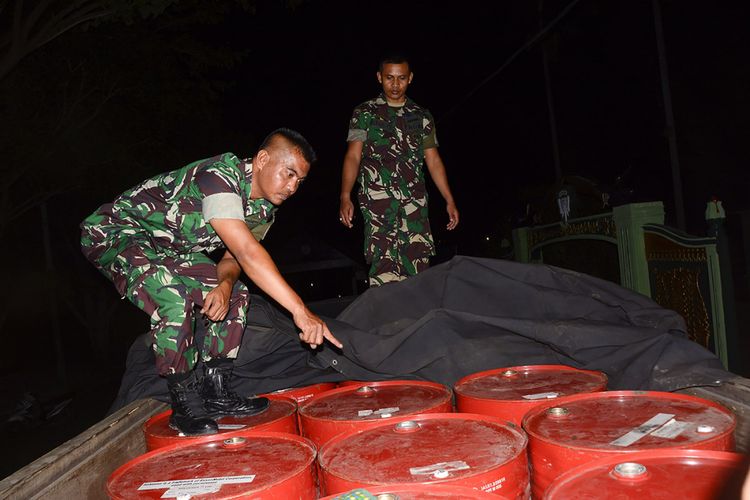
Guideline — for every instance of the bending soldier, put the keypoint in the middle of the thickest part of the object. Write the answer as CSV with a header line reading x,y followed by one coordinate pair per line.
x,y
152,242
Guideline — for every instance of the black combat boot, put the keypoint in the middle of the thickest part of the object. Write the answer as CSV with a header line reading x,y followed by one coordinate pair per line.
x,y
188,415
219,398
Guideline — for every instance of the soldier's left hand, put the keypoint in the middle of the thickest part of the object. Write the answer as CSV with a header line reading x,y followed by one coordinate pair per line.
x,y
216,303
452,216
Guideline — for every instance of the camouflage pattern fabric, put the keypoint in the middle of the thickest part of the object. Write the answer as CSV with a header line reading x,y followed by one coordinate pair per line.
x,y
151,241
392,195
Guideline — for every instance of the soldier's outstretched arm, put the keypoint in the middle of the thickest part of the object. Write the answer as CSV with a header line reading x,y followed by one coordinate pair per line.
x,y
260,268
348,178
440,177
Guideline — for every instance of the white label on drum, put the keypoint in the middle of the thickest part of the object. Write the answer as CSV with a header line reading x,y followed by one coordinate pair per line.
x,y
382,412
197,486
230,427
542,395
671,429
644,429
494,485
429,470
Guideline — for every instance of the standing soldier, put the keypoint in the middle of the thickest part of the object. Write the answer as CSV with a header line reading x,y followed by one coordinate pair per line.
x,y
390,138
152,243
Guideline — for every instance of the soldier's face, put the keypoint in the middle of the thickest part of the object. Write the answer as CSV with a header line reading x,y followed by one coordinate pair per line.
x,y
278,174
395,79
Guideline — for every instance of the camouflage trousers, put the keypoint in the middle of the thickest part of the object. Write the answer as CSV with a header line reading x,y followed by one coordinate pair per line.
x,y
398,242
171,290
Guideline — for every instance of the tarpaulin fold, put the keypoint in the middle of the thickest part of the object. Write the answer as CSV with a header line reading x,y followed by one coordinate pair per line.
x,y
463,316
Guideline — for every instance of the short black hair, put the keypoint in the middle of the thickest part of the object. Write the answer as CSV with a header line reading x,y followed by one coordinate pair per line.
x,y
297,139
393,58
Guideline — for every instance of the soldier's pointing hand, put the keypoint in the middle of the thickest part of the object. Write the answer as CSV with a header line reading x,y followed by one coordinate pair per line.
x,y
314,330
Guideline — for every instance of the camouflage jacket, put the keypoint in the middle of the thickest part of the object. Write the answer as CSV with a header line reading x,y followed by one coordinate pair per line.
x,y
394,140
169,209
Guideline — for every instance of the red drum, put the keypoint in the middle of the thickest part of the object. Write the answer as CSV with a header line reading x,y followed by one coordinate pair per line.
x,y
280,416
459,449
242,464
300,394
354,407
654,474
511,392
418,492
578,429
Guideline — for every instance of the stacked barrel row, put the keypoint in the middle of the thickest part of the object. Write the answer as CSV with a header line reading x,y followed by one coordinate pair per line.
x,y
377,435
587,442
260,456
524,432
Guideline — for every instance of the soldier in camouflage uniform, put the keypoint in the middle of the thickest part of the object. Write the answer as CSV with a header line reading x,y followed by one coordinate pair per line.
x,y
390,138
152,243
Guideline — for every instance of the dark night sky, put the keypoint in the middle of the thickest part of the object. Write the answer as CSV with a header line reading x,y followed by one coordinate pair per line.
x,y
306,69
311,67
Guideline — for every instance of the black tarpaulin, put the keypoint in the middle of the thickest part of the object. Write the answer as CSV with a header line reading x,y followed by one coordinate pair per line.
x,y
461,317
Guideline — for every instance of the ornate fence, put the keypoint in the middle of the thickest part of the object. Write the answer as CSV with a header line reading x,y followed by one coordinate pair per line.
x,y
630,245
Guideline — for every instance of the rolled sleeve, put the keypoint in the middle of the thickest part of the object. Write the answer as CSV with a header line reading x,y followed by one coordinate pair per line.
x,y
223,206
430,141
430,132
356,134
